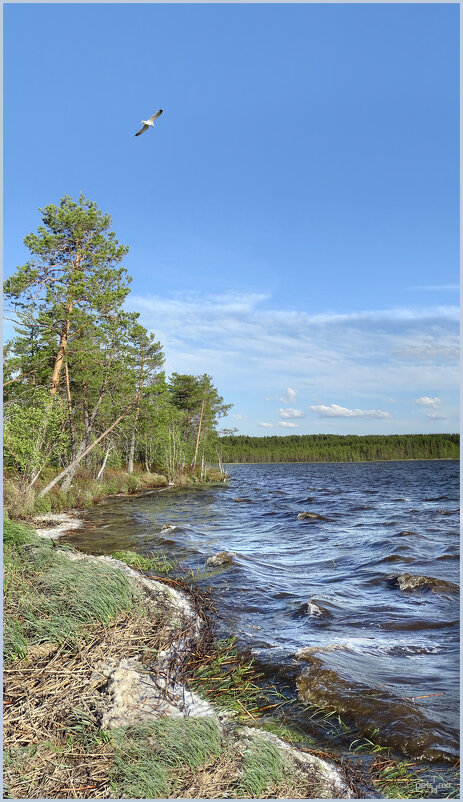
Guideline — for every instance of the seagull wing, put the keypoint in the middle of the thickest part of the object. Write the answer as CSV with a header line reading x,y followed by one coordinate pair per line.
x,y
155,116
142,130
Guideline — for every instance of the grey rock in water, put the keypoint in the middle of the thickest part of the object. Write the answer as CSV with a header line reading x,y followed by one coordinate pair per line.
x,y
312,516
413,581
222,558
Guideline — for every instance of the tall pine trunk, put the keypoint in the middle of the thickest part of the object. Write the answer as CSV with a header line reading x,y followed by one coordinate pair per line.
x,y
64,337
61,349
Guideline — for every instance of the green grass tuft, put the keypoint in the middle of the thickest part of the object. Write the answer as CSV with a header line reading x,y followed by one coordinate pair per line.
x,y
49,598
16,534
291,734
402,780
229,681
155,563
148,757
264,766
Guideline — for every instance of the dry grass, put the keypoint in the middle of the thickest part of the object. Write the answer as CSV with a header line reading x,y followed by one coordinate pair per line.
x,y
54,699
50,704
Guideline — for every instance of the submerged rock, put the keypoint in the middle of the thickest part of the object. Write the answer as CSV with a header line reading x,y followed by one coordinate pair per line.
x,y
243,500
413,581
312,516
305,652
397,722
222,558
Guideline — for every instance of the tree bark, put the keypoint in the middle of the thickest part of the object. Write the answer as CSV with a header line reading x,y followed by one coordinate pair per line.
x,y
86,418
61,349
64,336
100,472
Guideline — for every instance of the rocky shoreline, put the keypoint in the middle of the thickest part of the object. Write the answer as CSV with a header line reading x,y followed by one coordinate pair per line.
x,y
126,692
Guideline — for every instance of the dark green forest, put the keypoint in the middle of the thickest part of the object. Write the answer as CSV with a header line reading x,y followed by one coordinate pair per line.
x,y
339,448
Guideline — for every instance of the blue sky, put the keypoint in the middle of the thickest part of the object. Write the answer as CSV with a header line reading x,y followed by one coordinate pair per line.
x,y
293,217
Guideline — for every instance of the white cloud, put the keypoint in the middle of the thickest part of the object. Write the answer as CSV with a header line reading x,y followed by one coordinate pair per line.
x,y
437,287
288,424
291,413
436,416
430,348
426,401
289,396
335,411
252,350
237,416
265,425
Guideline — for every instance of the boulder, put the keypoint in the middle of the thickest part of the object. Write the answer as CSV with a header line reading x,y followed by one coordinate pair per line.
x,y
312,516
222,558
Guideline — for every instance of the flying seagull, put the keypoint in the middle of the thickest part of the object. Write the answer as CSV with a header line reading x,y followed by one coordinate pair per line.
x,y
148,123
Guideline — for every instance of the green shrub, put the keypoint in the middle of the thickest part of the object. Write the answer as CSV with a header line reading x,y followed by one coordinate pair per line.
x,y
18,501
42,505
58,500
154,480
133,483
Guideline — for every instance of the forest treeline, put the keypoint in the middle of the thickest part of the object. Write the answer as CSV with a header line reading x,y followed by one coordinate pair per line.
x,y
84,385
339,448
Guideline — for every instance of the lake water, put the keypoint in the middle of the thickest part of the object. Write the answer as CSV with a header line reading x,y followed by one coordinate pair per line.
x,y
383,656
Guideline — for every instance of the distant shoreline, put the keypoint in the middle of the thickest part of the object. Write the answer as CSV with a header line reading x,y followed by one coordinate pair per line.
x,y
342,461
339,448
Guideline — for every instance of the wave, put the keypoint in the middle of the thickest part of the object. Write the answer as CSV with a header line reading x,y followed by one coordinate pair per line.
x,y
312,609
398,723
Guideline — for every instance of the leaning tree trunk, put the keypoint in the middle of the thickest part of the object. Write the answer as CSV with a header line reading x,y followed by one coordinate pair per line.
x,y
84,448
71,468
